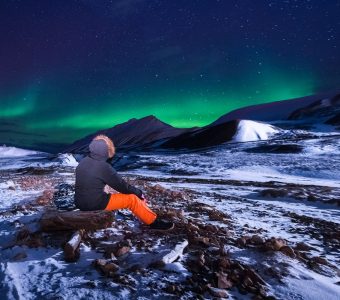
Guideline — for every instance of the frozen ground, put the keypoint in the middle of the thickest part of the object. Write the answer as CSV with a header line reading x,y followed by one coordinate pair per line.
x,y
231,199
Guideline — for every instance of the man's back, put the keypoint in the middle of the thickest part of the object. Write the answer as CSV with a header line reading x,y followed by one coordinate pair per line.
x,y
89,187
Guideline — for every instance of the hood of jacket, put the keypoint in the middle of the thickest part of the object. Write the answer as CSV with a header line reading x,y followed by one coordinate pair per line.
x,y
99,150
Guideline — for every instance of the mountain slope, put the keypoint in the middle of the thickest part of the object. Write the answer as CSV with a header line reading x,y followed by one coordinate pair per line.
x,y
278,110
235,130
149,132
326,110
133,132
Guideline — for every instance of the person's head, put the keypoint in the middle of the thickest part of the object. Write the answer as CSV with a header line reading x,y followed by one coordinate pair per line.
x,y
103,140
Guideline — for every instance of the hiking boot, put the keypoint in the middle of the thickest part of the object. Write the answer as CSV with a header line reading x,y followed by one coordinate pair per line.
x,y
160,224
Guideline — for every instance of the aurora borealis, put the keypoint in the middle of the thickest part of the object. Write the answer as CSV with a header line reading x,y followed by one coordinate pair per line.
x,y
68,68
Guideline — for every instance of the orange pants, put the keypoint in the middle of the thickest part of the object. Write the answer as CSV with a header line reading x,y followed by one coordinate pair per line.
x,y
134,204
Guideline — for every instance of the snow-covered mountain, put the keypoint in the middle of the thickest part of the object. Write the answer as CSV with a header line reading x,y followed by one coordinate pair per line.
x,y
236,130
240,125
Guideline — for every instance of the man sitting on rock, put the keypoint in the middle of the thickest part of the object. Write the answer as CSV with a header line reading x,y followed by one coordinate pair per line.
x,y
94,172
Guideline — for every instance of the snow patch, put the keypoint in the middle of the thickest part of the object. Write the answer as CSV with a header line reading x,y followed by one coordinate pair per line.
x,y
68,160
9,184
15,152
254,131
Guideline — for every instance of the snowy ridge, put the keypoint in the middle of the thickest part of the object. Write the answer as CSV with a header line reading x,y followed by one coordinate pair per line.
x,y
15,152
248,131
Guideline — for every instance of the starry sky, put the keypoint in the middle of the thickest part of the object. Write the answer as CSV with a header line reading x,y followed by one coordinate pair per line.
x,y
71,67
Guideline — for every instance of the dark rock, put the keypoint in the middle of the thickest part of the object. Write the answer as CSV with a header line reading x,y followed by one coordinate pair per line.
x,y
218,292
303,247
224,263
241,242
279,149
171,288
19,256
223,282
274,193
257,240
107,267
122,250
110,267
203,240
254,276
288,251
275,244
320,260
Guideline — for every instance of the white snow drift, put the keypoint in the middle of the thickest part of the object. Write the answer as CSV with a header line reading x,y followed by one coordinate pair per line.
x,y
67,159
248,131
15,152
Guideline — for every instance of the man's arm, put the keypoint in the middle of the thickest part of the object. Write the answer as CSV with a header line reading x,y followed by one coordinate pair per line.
x,y
114,180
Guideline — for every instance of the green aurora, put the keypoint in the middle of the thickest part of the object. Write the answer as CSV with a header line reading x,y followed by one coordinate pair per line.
x,y
70,68
41,111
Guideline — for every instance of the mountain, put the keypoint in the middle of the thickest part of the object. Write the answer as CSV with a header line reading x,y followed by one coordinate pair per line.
x,y
235,130
278,110
239,125
131,133
326,110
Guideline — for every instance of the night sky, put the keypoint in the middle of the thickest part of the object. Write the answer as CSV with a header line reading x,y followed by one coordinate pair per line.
x,y
68,68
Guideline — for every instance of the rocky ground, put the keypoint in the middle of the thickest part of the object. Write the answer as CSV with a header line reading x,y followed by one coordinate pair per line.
x,y
223,257
249,233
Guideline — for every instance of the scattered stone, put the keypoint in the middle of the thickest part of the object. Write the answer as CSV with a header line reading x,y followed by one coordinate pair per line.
x,y
274,193
241,242
288,251
111,267
193,227
122,250
92,284
71,248
29,239
171,288
215,215
275,244
254,276
303,247
211,228
320,260
223,282
201,260
107,267
257,240
216,292
224,263
19,256
203,240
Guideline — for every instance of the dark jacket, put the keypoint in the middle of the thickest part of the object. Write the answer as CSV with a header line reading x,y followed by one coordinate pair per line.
x,y
92,174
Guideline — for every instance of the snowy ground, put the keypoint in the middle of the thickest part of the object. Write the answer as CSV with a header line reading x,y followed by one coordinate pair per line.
x,y
242,193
